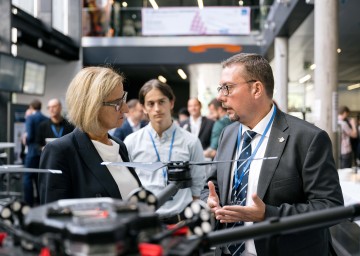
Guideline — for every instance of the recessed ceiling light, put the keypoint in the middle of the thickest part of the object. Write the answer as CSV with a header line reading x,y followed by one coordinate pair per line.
x,y
162,79
353,86
154,4
304,79
182,73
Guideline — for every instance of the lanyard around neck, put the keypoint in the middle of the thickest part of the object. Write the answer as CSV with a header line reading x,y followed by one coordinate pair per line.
x,y
158,155
56,133
248,162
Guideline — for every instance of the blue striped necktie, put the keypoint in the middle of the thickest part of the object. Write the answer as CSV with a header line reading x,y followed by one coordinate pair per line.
x,y
238,196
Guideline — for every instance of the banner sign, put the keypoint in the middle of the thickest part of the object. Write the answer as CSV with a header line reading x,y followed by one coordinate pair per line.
x,y
196,21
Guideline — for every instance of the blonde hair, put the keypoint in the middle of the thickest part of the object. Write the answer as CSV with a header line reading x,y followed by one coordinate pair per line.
x,y
86,93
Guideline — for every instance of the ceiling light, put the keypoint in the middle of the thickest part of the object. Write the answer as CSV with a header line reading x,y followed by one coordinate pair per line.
x,y
338,50
154,4
312,66
201,4
353,86
14,35
304,79
182,73
241,3
14,50
124,4
162,79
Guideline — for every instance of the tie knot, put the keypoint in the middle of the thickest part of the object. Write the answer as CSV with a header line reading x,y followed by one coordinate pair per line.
x,y
248,136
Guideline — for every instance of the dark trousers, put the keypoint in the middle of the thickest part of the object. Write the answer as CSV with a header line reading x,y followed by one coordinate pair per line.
x,y
31,179
346,160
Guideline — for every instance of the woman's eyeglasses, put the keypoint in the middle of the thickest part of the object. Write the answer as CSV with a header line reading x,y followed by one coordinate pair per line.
x,y
117,104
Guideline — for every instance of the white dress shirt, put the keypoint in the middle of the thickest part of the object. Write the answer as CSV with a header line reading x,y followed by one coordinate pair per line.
x,y
124,179
255,168
186,147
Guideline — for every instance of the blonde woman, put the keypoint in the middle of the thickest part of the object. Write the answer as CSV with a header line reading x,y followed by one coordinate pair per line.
x,y
96,103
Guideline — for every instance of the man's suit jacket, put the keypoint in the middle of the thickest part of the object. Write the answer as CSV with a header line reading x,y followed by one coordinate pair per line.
x,y
83,176
302,179
205,130
32,125
126,129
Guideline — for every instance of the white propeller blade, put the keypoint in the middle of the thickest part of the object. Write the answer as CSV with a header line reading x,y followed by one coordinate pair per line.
x,y
20,168
152,166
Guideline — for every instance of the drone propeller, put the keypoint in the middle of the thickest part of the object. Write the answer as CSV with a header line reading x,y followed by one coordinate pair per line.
x,y
20,169
153,166
150,166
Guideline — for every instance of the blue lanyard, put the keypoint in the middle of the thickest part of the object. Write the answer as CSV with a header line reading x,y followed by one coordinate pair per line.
x,y
57,134
237,179
158,155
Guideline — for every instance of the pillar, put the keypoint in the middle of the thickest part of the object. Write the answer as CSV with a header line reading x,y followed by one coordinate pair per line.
x,y
326,72
281,73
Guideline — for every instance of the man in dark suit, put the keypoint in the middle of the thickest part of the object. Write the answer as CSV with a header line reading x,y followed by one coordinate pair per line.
x,y
198,125
56,126
32,158
302,178
133,122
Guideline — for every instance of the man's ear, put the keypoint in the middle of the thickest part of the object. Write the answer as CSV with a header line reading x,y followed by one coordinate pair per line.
x,y
258,89
144,110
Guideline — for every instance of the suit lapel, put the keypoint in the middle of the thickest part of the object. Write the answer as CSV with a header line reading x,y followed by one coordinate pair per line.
x,y
202,126
275,147
92,160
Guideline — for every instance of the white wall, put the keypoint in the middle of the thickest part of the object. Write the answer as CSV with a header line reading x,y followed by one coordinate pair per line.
x,y
58,77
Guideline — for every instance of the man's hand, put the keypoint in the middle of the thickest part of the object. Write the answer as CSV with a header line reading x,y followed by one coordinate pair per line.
x,y
213,200
235,213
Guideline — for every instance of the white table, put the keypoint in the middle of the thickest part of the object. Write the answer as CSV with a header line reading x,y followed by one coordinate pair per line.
x,y
350,185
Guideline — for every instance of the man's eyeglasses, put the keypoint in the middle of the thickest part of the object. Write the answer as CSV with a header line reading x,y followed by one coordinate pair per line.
x,y
117,104
225,89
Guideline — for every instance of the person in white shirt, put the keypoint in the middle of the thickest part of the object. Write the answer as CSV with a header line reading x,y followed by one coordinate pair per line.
x,y
163,140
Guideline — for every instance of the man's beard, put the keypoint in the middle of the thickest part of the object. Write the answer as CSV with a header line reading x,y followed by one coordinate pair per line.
x,y
234,117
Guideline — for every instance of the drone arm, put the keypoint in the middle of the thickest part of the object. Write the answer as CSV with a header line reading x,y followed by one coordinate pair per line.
x,y
169,191
197,172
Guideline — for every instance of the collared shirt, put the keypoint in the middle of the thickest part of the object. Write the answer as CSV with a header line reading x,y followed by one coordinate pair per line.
x,y
195,125
219,125
186,147
133,126
255,168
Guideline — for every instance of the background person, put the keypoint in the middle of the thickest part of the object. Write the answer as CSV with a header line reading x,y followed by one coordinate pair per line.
x,y
32,158
96,103
216,110
134,120
55,127
302,179
163,140
183,114
198,125
347,131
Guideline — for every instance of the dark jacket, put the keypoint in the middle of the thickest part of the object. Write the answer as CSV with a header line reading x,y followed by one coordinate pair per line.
x,y
83,175
205,130
126,129
302,179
